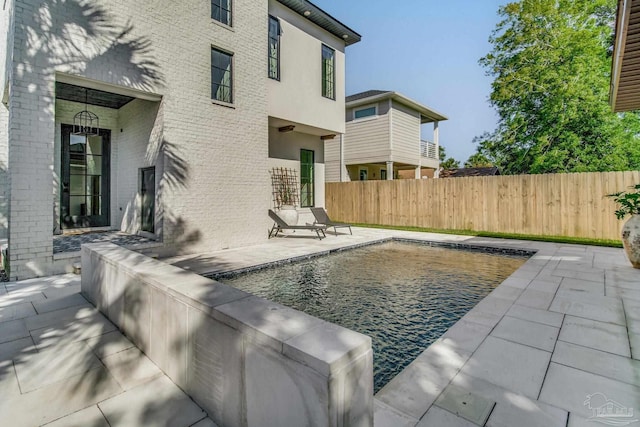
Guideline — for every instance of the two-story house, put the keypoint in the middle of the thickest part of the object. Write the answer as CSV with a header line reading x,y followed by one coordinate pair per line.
x,y
161,120
383,139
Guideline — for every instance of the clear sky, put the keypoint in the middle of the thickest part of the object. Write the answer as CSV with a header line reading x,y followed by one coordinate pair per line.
x,y
428,50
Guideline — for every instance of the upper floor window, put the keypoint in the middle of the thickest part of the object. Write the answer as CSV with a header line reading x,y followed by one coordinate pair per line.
x,y
221,76
328,72
274,48
365,112
221,11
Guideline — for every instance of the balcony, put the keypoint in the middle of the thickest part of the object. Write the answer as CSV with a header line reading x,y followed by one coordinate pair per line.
x,y
428,150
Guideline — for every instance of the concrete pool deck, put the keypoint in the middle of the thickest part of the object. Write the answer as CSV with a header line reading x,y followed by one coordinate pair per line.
x,y
550,346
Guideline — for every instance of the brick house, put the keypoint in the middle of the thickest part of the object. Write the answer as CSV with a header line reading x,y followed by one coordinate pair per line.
x,y
192,103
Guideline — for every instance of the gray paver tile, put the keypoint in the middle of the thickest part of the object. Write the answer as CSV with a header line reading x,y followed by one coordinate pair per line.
x,y
536,315
516,282
131,368
493,305
88,417
506,292
72,331
156,403
512,366
16,311
55,293
386,416
55,364
597,362
62,398
481,318
589,306
437,417
598,335
8,380
16,349
13,330
624,293
18,297
61,317
526,413
631,309
633,326
467,335
569,388
59,303
465,404
535,299
414,389
109,343
581,272
579,285
528,333
544,285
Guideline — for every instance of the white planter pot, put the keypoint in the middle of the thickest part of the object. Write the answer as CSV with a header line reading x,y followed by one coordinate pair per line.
x,y
289,214
631,239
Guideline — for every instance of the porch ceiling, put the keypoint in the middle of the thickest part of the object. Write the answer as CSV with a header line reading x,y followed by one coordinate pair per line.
x,y
100,98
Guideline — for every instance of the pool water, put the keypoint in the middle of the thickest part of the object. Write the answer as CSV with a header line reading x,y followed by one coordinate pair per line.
x,y
403,295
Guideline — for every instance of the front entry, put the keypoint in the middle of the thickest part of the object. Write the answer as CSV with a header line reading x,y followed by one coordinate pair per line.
x,y
84,181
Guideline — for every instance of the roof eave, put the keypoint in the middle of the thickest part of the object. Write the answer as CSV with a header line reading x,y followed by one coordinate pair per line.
x,y
425,112
622,25
323,20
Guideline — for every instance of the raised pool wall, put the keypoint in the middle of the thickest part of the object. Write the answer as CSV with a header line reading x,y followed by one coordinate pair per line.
x,y
245,360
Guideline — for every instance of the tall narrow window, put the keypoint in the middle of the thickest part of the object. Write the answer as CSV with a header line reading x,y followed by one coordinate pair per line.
x,y
274,48
306,179
328,72
221,11
221,76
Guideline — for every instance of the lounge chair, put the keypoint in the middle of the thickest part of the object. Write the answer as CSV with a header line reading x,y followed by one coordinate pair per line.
x,y
323,218
280,225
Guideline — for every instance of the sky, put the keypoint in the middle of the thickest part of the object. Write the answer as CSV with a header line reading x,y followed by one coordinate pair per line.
x,y
428,50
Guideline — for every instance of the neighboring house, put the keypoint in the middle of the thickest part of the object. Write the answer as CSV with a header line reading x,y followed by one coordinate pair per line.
x,y
383,139
192,104
625,75
462,172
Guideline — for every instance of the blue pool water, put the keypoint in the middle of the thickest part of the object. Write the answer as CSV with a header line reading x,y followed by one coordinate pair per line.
x,y
403,295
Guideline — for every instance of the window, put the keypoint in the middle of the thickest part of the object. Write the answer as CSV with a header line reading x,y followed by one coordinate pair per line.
x,y
328,74
221,11
365,112
362,174
383,174
274,48
221,76
306,179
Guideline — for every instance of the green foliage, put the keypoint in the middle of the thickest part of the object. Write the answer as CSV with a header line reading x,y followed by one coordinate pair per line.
x,y
450,163
551,62
478,160
629,202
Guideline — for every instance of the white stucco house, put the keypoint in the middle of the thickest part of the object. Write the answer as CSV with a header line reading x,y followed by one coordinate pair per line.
x,y
192,104
383,139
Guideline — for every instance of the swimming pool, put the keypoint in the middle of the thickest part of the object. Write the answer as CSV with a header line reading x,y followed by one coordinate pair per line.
x,y
403,295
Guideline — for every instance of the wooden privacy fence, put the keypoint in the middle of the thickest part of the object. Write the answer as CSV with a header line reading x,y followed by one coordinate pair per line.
x,y
572,205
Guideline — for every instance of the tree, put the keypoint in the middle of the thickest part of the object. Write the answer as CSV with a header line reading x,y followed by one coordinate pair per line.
x,y
478,160
449,163
551,62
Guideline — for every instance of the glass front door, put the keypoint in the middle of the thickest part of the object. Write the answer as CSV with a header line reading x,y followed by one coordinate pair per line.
x,y
84,182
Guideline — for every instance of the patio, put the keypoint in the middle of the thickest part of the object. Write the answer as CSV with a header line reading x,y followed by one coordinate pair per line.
x,y
551,345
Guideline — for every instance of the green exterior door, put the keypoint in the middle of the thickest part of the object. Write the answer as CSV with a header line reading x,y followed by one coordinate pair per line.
x,y
306,179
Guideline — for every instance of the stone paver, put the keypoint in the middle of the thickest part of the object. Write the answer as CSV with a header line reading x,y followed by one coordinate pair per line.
x,y
599,335
509,365
501,351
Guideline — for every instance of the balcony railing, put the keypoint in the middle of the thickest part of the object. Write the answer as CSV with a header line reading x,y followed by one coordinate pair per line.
x,y
428,150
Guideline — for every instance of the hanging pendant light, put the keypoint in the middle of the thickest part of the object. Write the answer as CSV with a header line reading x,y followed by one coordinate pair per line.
x,y
85,122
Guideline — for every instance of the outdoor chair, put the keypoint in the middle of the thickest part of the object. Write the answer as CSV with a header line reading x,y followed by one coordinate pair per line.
x,y
323,218
280,224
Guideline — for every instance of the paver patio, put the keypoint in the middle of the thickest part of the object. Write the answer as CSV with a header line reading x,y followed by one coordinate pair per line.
x,y
562,328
